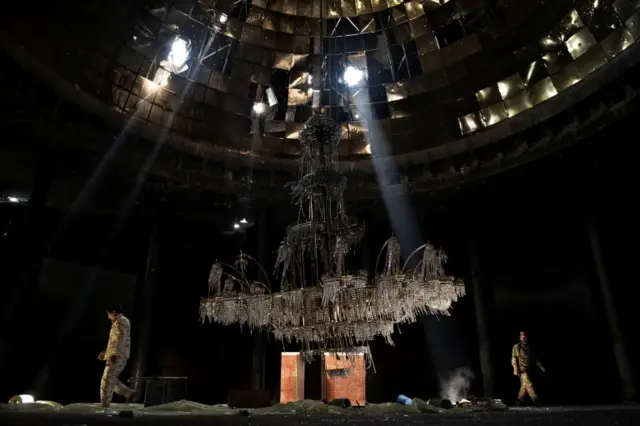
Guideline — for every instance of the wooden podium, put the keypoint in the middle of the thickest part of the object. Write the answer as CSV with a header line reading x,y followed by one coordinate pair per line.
x,y
342,377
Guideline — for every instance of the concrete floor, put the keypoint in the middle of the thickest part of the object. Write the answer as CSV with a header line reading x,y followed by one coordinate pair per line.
x,y
549,416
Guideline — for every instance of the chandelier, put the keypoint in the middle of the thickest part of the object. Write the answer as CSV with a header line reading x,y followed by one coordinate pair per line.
x,y
320,304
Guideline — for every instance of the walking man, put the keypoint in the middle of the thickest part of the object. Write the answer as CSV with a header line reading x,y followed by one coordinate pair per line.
x,y
521,360
116,356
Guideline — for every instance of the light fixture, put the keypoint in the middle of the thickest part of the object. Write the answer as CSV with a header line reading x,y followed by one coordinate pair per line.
x,y
259,108
353,76
236,225
223,18
176,62
244,221
179,55
13,200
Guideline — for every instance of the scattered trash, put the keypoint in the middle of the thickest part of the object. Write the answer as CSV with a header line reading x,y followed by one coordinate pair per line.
x,y
404,400
341,402
441,403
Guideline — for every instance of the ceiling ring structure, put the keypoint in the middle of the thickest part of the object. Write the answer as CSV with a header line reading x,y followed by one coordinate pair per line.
x,y
490,83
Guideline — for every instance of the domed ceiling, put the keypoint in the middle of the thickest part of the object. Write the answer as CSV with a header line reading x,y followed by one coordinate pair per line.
x,y
421,81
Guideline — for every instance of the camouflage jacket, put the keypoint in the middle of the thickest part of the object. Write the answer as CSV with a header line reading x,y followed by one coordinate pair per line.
x,y
522,358
119,338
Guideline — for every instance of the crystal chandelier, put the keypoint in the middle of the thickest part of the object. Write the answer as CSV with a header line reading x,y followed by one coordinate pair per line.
x,y
321,305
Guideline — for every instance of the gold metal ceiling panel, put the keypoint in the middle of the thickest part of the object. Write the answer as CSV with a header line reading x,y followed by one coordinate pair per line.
x,y
283,61
430,62
378,5
305,8
335,8
415,86
357,60
403,33
276,26
518,103
298,60
287,24
363,7
292,130
470,123
555,61
580,42
298,97
489,96
262,75
367,24
242,71
399,15
275,5
425,44
284,43
251,36
252,54
428,5
233,29
219,82
625,8
510,86
349,8
290,7
318,9
633,24
270,40
419,27
271,22
259,3
414,9
591,60
569,25
534,72
256,16
358,97
465,7
616,42
238,105
462,48
393,3
344,131
273,126
239,86
396,91
493,114
434,80
566,77
542,91
357,128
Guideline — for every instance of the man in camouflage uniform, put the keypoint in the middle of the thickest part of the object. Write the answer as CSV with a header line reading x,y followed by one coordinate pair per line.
x,y
116,356
521,359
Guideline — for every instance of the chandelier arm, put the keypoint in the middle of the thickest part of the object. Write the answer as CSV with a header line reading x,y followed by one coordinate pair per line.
x,y
386,243
411,255
263,272
242,281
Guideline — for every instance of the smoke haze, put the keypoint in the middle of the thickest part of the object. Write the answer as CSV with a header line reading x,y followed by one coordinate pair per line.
x,y
456,386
